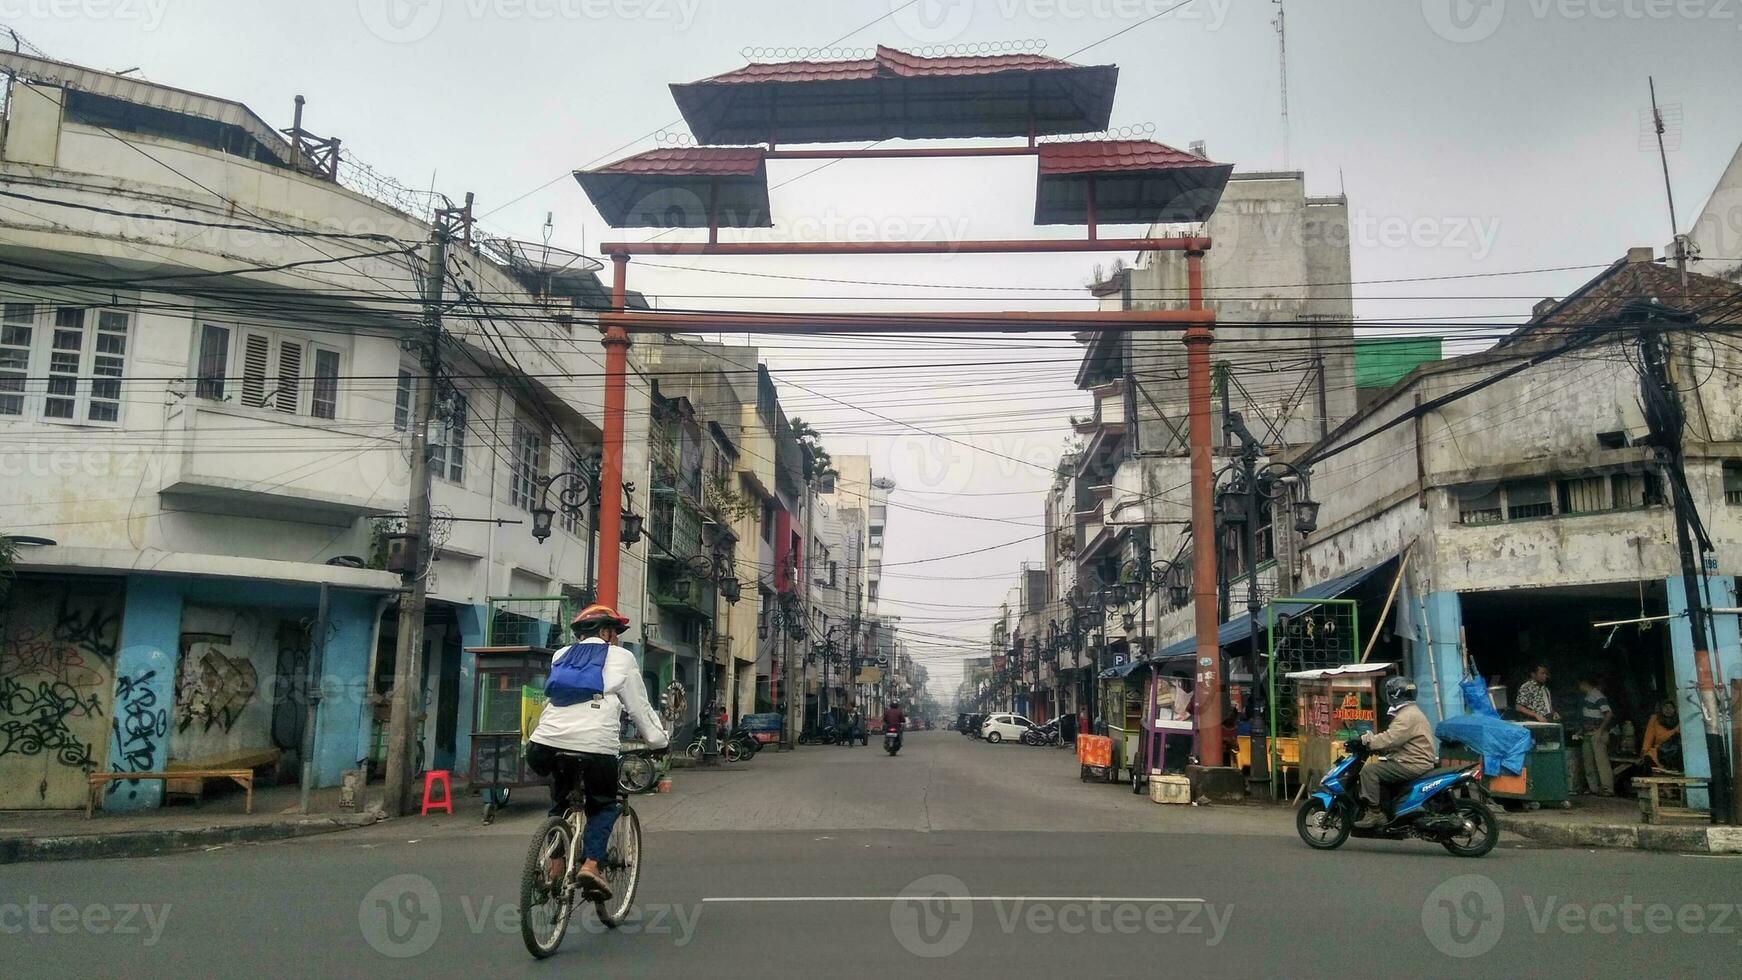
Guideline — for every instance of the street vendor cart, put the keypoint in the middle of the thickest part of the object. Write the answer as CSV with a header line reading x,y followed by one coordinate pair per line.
x,y
1334,705
1544,779
507,698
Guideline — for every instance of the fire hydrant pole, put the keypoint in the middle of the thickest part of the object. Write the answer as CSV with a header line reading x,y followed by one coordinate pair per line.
x,y
616,343
1208,669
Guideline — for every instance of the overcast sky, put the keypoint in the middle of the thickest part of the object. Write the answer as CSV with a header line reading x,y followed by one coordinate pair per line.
x,y
1471,136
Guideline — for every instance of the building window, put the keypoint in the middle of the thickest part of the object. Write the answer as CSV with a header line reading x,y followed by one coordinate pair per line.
x,y
214,362
834,574
1525,500
272,370
1733,483
80,352
325,403
871,593
1480,508
768,523
528,465
17,327
1584,495
405,399
447,447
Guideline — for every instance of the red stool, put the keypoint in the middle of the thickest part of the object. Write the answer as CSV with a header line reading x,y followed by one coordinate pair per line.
x,y
446,803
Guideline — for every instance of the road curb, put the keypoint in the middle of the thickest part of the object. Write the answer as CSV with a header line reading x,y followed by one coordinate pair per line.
x,y
145,843
1671,839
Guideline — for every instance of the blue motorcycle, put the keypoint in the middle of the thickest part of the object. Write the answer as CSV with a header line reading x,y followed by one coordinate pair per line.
x,y
1431,808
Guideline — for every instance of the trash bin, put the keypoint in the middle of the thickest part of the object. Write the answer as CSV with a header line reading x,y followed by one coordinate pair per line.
x,y
1544,780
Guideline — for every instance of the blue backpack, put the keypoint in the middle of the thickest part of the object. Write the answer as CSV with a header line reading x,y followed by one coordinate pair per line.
x,y
577,674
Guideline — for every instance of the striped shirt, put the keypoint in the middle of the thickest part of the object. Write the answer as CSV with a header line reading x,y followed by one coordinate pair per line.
x,y
1593,709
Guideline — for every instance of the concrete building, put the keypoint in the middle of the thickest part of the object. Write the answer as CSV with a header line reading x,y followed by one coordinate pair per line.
x,y
1536,507
1277,277
205,394
1715,236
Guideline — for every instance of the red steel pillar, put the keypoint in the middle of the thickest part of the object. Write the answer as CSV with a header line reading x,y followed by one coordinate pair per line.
x,y
611,465
1208,669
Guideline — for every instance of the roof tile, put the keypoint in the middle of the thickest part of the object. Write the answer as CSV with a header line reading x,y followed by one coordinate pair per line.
x,y
1096,156
710,161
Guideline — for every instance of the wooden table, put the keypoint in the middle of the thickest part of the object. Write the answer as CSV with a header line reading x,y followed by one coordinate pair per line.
x,y
1652,808
243,777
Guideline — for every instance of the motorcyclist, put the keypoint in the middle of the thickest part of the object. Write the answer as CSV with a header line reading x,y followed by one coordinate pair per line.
x,y
894,718
1409,747
592,683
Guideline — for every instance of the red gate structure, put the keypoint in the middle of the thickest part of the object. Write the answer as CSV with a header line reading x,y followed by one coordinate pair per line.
x,y
898,95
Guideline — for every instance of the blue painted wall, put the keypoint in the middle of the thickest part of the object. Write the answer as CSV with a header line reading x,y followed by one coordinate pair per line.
x,y
472,620
150,647
1726,649
144,690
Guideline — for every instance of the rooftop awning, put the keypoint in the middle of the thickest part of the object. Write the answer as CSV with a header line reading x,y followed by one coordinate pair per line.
x,y
896,95
1135,182
681,187
1237,630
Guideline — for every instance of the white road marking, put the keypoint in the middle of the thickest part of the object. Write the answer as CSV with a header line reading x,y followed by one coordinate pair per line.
x,y
746,899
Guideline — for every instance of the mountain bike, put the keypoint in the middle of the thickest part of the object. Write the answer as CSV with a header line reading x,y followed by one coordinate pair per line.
x,y
547,902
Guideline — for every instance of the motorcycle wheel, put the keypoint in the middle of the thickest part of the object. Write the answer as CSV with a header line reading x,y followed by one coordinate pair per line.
x,y
1485,836
1322,829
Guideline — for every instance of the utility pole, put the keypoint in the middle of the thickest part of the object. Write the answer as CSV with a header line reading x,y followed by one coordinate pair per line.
x,y
1207,672
408,657
1665,417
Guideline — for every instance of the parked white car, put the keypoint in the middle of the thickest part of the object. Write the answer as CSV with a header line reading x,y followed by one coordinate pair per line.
x,y
997,728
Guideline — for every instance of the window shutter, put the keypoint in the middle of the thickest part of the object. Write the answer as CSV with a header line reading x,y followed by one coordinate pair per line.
x,y
289,390
256,354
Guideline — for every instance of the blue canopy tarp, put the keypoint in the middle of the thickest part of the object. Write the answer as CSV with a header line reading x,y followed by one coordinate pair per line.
x,y
1503,744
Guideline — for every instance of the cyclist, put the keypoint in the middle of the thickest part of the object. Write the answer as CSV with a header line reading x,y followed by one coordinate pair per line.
x,y
592,682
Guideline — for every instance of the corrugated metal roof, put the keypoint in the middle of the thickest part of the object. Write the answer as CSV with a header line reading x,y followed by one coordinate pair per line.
x,y
682,187
897,95
140,92
1100,156
1136,182
713,161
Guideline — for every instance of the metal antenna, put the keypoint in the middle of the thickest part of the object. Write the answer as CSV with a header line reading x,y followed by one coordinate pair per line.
x,y
1282,64
1679,243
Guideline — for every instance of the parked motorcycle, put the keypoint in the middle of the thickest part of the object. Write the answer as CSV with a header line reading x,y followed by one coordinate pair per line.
x,y
1429,807
892,740
1047,734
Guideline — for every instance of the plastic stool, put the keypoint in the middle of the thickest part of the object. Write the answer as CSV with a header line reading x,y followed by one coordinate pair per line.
x,y
446,803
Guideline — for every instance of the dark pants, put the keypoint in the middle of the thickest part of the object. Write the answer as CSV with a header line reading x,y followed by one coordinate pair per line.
x,y
1382,771
594,776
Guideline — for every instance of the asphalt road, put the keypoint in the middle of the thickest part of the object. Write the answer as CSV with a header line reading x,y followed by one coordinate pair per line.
x,y
956,858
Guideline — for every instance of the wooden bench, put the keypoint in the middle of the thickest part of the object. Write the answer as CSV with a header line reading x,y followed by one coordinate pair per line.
x,y
243,777
1653,809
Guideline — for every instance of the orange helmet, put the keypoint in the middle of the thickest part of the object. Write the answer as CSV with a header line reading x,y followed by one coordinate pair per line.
x,y
598,615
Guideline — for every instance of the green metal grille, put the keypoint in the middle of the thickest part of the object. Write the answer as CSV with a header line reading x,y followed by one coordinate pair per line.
x,y
1306,634
534,621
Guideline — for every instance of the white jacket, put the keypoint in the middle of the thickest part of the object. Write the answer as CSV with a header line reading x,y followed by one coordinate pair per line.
x,y
597,725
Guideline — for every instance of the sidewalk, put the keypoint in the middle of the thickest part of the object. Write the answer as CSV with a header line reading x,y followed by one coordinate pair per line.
x,y
51,835
1598,822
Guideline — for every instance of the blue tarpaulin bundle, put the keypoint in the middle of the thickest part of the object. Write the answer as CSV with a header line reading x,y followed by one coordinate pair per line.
x,y
1476,700
1503,744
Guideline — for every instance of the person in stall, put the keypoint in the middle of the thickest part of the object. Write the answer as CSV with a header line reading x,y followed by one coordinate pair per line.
x,y
1663,739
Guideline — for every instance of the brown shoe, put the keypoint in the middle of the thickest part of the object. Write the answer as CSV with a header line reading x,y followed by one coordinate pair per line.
x,y
593,887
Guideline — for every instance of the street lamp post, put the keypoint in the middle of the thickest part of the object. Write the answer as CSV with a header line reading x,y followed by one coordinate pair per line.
x,y
1248,491
580,489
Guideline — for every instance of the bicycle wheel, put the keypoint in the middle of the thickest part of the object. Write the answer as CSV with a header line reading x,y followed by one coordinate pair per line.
x,y
732,753
635,774
546,902
621,867
693,750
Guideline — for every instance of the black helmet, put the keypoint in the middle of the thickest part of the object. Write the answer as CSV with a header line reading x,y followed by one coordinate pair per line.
x,y
1398,692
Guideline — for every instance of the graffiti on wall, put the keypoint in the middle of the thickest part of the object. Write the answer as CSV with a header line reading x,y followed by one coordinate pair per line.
x,y
139,728
39,718
289,708
211,687
58,641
